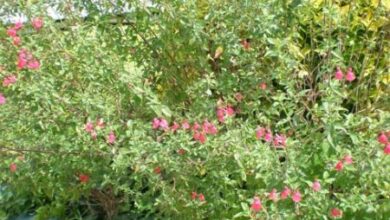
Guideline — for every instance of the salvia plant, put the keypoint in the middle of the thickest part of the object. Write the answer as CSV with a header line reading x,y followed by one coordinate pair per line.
x,y
196,109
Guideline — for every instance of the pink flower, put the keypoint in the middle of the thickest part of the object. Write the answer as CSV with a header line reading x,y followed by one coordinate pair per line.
x,y
12,32
185,125
100,123
280,140
200,137
2,99
285,193
268,136
339,166
296,196
209,128
348,159
316,186
336,213
9,80
256,204
339,74
13,167
88,127
382,138
18,25
350,75
260,132
238,96
201,197
196,126
387,149
175,126
221,114
37,23
156,123
164,124
33,64
93,135
194,195
263,86
111,138
229,111
273,195
16,41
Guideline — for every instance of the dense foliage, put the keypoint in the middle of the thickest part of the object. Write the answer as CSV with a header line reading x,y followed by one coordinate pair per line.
x,y
200,109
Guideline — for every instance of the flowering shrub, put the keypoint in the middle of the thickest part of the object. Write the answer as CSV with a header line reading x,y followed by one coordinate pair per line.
x,y
197,110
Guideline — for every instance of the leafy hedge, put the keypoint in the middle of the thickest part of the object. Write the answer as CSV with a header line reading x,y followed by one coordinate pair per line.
x,y
197,110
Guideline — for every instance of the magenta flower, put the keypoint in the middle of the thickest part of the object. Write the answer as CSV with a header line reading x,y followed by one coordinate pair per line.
x,y
296,196
88,127
387,149
280,140
33,64
111,138
268,136
260,132
155,123
339,74
285,193
18,25
382,138
350,75
256,205
209,128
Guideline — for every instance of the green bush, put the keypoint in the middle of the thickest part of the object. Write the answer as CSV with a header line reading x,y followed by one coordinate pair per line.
x,y
196,110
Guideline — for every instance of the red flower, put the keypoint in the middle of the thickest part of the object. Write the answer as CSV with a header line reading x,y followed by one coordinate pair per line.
x,y
155,123
387,149
209,128
157,170
336,213
256,204
263,86
181,151
83,178
201,197
13,167
200,137
382,138
175,126
194,195
245,44
339,166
